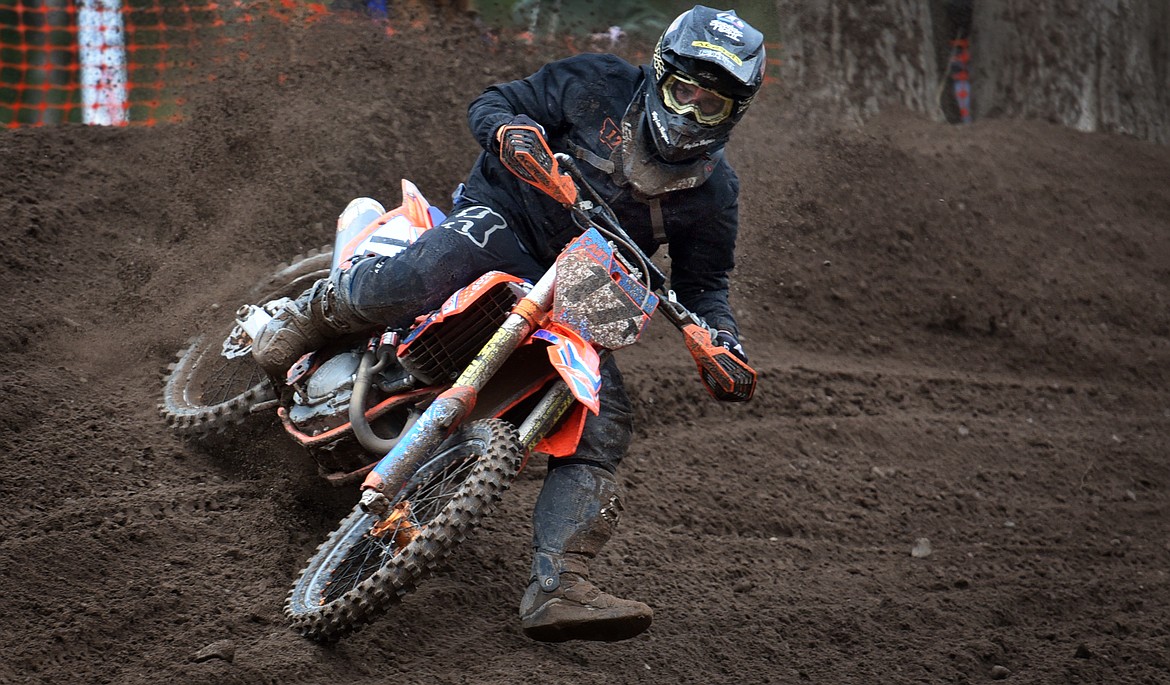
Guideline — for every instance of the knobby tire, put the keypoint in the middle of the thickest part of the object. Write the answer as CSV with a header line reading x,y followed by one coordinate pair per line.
x,y
203,391
355,576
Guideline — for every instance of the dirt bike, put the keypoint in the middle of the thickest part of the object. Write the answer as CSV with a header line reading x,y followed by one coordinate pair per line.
x,y
440,418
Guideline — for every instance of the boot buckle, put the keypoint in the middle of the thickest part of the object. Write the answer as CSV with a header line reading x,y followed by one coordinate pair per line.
x,y
546,570
300,370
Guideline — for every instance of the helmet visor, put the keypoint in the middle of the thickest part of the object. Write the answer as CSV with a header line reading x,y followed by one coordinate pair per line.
x,y
683,96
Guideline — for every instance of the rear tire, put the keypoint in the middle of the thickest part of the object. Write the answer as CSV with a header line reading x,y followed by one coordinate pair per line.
x,y
205,391
355,576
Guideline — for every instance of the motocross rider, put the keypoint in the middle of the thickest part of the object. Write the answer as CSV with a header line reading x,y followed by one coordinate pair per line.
x,y
651,140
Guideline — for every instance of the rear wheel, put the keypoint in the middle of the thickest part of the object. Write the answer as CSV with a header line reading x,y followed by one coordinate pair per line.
x,y
206,389
360,570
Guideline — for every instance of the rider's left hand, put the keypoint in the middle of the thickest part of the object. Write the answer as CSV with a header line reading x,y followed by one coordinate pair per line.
x,y
728,341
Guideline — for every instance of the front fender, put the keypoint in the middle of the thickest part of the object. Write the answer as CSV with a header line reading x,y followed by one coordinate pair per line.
x,y
576,361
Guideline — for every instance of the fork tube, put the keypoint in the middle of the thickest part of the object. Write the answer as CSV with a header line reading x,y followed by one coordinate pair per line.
x,y
545,415
552,407
449,408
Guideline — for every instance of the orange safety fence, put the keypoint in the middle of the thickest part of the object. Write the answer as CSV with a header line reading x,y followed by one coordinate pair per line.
x,y
169,45
40,68
771,57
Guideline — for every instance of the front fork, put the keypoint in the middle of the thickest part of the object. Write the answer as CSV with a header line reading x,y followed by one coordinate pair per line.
x,y
450,408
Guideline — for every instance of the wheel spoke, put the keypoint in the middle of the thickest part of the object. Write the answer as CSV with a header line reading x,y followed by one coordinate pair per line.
x,y
353,570
364,574
434,495
222,380
370,553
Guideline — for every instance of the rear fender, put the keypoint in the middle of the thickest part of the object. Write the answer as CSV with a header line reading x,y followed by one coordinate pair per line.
x,y
366,228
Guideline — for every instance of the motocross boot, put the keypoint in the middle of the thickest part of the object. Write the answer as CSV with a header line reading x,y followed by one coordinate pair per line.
x,y
575,515
321,313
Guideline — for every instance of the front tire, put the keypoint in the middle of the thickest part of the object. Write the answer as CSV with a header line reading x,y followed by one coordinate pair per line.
x,y
206,391
356,575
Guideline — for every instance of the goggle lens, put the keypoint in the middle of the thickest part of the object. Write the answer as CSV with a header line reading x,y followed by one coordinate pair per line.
x,y
684,96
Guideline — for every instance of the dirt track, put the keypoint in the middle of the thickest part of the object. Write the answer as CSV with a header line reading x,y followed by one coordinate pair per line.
x,y
963,335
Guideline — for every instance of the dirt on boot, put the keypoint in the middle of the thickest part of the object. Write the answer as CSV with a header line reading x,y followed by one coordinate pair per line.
x,y
577,610
289,335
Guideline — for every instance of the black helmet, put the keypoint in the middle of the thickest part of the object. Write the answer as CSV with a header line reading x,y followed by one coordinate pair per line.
x,y
708,65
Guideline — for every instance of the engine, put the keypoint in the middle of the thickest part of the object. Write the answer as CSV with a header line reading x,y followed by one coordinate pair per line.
x,y
323,402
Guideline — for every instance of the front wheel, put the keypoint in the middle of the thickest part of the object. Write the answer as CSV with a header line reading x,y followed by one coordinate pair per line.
x,y
368,564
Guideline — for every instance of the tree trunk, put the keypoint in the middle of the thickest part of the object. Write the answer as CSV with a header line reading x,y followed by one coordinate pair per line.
x,y
1097,65
854,55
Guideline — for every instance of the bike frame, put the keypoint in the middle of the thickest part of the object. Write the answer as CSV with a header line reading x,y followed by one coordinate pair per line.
x,y
574,338
453,405
574,344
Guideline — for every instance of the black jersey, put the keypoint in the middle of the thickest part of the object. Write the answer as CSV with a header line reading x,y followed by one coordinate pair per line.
x,y
580,102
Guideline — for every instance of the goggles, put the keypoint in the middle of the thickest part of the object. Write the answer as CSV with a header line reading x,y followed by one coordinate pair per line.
x,y
684,96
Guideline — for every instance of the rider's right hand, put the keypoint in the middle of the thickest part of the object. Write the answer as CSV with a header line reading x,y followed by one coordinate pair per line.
x,y
521,133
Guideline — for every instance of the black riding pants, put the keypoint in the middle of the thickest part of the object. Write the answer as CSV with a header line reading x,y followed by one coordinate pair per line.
x,y
392,291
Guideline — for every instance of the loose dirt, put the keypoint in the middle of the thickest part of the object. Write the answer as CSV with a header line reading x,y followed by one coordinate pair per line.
x,y
962,334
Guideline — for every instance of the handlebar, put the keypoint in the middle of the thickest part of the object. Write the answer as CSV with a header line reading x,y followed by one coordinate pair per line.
x,y
725,376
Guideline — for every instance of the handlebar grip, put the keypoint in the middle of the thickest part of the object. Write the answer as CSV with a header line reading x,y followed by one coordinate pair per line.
x,y
726,376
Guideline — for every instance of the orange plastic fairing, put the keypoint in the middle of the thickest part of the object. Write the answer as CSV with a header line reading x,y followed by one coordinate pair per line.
x,y
563,443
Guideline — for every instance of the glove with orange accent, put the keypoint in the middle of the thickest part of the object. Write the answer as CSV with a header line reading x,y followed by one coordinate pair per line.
x,y
519,133
723,366
525,152
726,340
